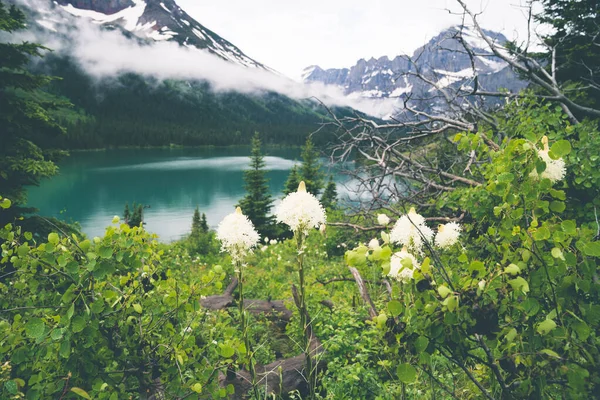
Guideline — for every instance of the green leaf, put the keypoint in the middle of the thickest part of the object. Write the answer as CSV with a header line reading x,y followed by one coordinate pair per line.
x,y
406,373
196,387
560,148
451,303
569,227
550,353
227,351
519,284
426,265
78,324
11,386
53,238
81,393
511,335
541,233
557,253
558,206
394,307
105,252
137,308
444,291
512,269
546,326
421,344
582,329
35,328
70,311
592,249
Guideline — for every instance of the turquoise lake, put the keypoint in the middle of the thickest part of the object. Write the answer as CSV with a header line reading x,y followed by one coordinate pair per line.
x,y
94,186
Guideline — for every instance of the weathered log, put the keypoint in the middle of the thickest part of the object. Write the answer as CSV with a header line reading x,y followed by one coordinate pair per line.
x,y
274,308
281,376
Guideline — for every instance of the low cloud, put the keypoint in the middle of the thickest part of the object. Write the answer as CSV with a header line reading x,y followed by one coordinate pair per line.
x,y
107,53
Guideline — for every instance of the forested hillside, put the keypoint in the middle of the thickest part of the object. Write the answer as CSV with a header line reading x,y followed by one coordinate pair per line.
x,y
131,110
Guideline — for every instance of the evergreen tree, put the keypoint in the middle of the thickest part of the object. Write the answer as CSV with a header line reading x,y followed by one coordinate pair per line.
x,y
196,224
258,202
126,213
137,217
26,118
293,180
329,196
310,171
576,38
204,224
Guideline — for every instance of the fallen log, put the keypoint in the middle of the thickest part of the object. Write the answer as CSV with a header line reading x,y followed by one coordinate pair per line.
x,y
283,375
275,308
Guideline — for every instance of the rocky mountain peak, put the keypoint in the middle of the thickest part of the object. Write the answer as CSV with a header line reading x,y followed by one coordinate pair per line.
x,y
156,20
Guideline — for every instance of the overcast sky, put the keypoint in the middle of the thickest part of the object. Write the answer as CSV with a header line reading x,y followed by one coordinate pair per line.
x,y
291,35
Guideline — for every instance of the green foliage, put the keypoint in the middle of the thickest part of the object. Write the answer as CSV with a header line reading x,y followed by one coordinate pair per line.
x,y
516,303
109,318
258,202
25,118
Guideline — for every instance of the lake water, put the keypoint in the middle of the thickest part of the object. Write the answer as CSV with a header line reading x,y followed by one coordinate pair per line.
x,y
92,187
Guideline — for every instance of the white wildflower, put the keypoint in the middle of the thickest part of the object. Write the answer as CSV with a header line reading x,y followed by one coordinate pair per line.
x,y
383,219
301,211
555,169
273,241
447,235
266,239
374,244
237,235
409,231
264,248
399,271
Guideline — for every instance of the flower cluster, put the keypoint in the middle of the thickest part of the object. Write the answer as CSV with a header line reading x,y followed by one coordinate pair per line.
x,y
447,235
555,169
237,235
400,272
410,231
301,211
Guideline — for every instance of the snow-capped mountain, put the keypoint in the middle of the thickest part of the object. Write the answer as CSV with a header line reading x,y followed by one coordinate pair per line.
x,y
157,20
443,60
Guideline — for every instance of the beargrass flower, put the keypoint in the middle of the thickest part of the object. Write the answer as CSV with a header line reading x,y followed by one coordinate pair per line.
x,y
237,235
555,169
383,219
399,271
373,244
447,235
301,211
410,230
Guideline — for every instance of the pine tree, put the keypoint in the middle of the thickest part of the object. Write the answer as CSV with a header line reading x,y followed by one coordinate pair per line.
x,y
329,196
575,37
310,171
293,180
258,202
26,118
126,213
196,224
137,217
204,224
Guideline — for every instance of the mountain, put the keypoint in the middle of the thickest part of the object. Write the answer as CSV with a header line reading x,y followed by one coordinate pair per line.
x,y
443,60
157,20
135,109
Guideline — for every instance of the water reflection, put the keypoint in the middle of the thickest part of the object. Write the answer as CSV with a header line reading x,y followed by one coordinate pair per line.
x,y
92,187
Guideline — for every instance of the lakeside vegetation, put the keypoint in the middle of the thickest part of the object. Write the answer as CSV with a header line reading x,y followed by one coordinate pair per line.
x,y
484,284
